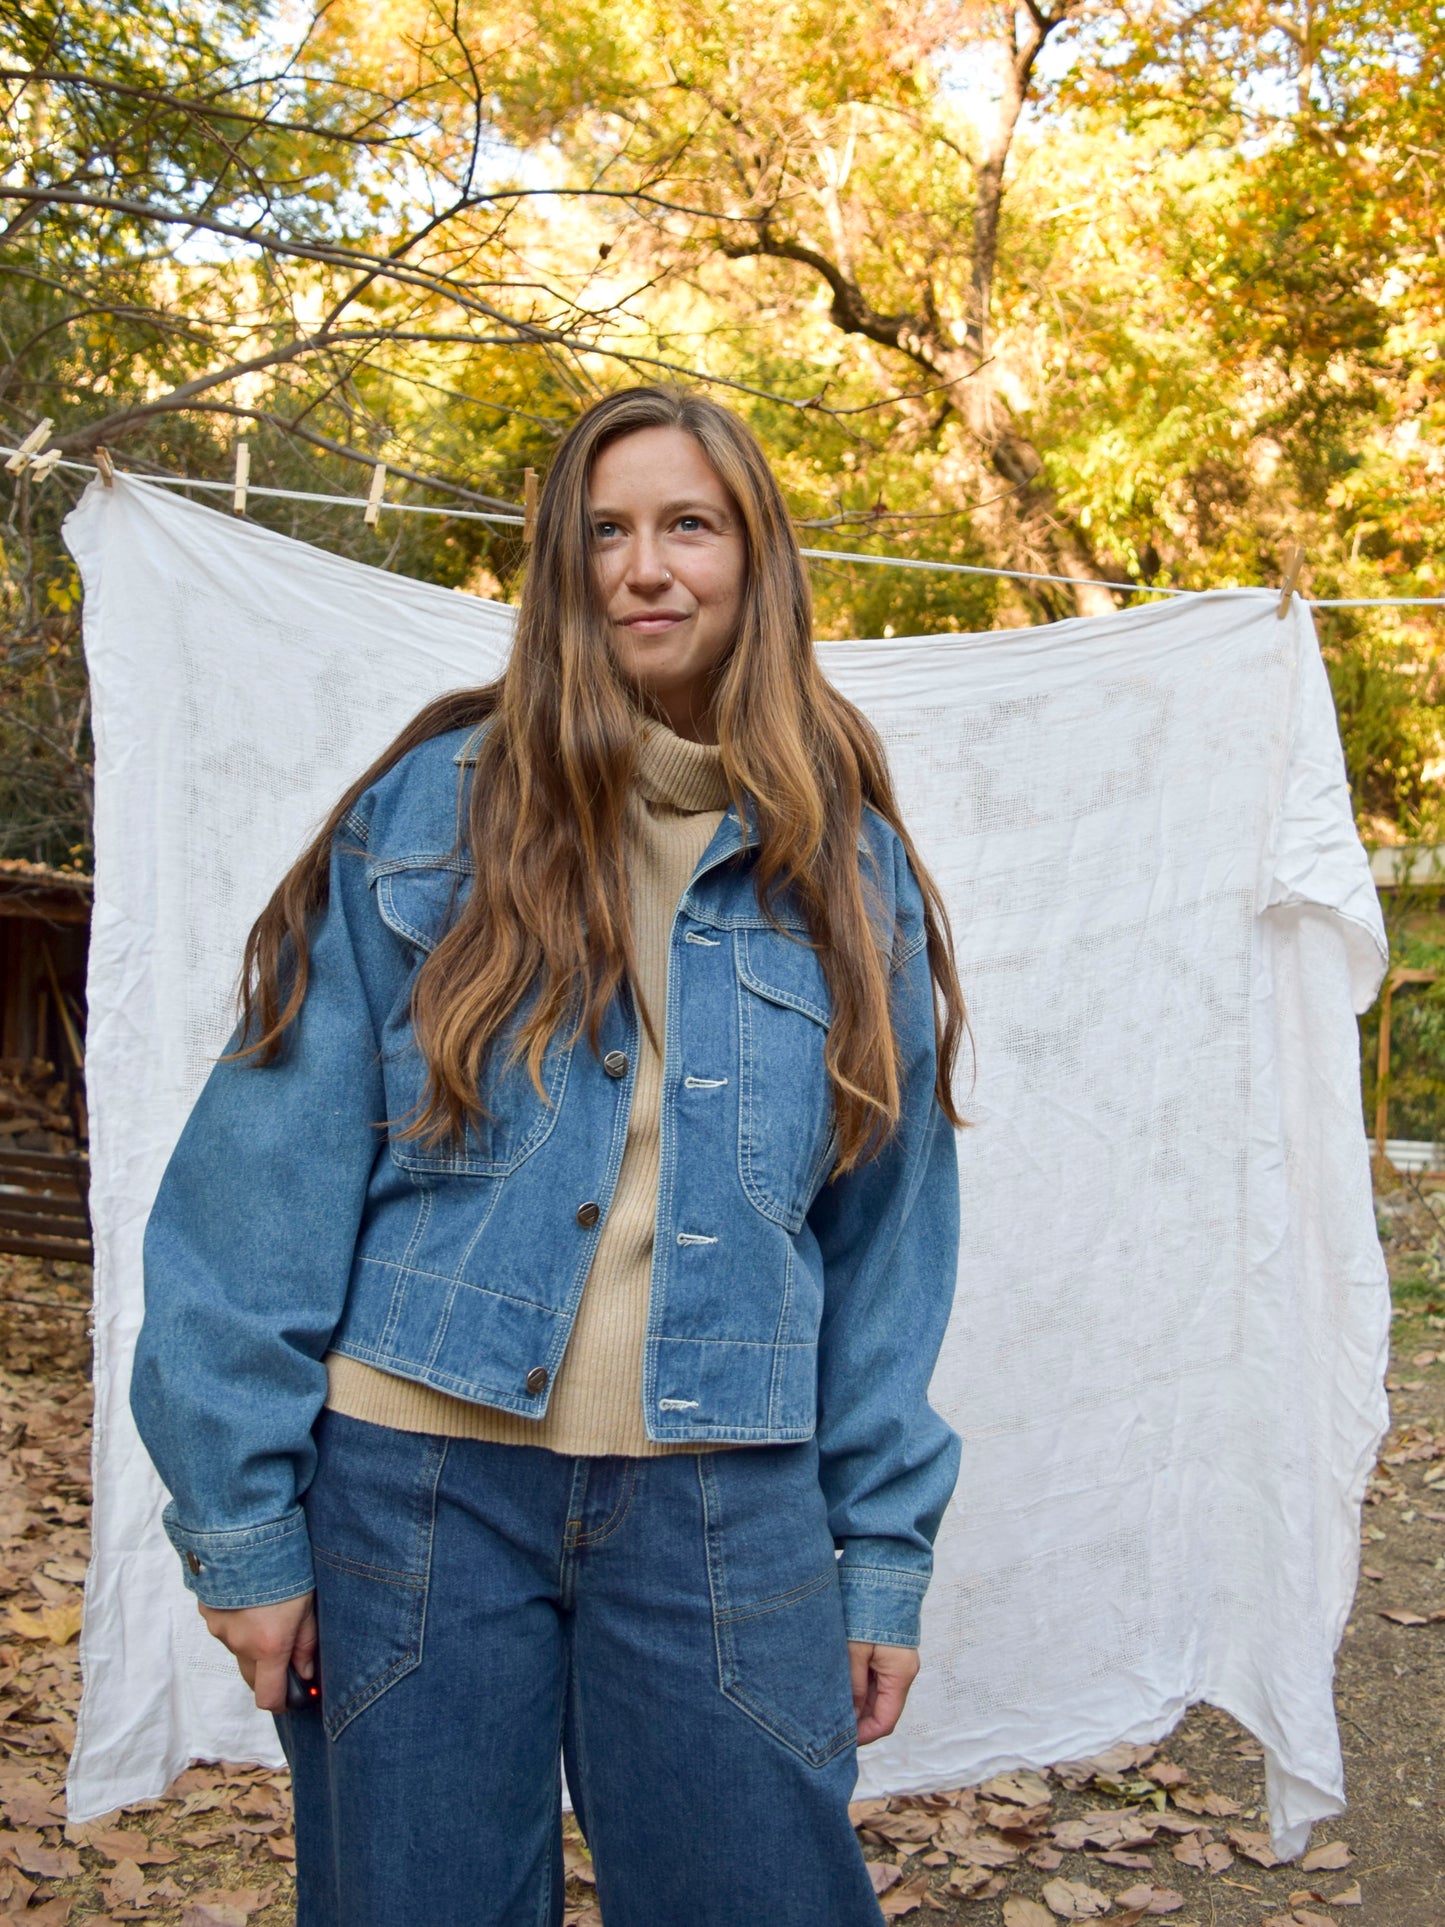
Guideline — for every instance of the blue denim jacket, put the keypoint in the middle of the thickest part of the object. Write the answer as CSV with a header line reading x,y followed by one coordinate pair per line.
x,y
293,1219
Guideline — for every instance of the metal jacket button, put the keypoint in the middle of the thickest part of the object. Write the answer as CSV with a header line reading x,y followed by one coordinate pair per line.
x,y
537,1380
193,1562
615,1063
588,1214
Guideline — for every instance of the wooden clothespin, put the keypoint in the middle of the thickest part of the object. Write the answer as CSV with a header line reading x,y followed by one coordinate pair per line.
x,y
29,448
105,467
529,505
373,499
243,477
1293,565
45,465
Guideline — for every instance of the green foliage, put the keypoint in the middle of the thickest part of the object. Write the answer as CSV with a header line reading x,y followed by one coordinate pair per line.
x,y
1217,319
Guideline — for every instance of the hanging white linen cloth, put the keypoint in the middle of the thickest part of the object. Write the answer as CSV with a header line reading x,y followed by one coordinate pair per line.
x,y
1167,1353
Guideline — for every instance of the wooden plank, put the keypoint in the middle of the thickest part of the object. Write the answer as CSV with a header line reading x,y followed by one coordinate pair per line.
x,y
44,1160
77,1250
45,1166
49,1213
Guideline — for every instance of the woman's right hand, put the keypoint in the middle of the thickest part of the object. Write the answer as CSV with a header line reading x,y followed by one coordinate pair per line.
x,y
266,1640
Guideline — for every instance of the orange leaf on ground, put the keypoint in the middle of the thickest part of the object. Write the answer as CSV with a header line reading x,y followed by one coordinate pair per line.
x,y
1150,1899
1075,1900
902,1900
1253,1846
1018,1789
25,1849
245,1900
1399,1618
1018,1912
1348,1896
1327,1859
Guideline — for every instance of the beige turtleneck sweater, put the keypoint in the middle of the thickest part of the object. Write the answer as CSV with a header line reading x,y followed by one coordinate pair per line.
x,y
596,1404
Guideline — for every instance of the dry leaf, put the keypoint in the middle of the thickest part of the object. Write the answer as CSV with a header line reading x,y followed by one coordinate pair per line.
x,y
1045,1859
973,1883
1018,1789
906,1899
1135,1862
1348,1896
1018,1912
1327,1859
1190,1853
1304,1918
1165,1773
28,1851
15,1889
212,1914
1075,1900
1399,1618
1218,1858
1151,1900
1253,1846
578,1862
124,1885
119,1843
883,1876
58,1624
50,1913
860,1812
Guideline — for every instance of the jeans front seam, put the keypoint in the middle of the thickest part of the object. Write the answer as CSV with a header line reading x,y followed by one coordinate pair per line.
x,y
619,1512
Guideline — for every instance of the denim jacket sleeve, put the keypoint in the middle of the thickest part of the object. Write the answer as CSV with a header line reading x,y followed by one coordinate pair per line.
x,y
889,1237
248,1253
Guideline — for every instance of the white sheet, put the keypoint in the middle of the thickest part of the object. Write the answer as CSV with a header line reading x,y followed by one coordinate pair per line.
x,y
1167,1354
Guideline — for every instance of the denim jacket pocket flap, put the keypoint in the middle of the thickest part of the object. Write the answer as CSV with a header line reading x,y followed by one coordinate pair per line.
x,y
419,899
786,971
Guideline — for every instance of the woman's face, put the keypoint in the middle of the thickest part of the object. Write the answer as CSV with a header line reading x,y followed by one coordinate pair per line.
x,y
667,545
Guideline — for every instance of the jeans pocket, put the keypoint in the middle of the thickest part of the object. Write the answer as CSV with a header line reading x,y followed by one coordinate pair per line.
x,y
370,1510
782,1651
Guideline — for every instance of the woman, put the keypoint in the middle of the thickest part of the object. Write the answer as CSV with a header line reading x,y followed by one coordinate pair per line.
x,y
542,1297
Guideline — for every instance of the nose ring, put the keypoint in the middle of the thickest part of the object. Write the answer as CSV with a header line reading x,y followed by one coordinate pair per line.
x,y
667,578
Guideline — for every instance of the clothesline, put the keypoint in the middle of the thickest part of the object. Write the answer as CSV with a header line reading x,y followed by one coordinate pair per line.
x,y
816,555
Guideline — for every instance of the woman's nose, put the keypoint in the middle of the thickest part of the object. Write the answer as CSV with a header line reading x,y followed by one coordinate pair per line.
x,y
645,566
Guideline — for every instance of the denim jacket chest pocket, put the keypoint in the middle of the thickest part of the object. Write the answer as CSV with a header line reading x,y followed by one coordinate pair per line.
x,y
419,900
786,1135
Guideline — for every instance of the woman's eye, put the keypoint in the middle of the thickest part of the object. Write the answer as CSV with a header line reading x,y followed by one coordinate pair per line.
x,y
604,531
689,524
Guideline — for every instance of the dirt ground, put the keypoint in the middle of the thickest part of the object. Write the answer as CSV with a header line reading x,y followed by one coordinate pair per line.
x,y
1177,1830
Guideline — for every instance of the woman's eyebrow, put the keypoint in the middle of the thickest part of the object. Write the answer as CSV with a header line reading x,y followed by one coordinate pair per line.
x,y
604,514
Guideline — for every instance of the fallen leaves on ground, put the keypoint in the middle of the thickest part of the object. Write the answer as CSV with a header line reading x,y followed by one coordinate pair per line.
x,y
1104,1836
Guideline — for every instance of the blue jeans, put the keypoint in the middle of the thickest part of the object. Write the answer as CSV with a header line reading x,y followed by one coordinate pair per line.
x,y
671,1627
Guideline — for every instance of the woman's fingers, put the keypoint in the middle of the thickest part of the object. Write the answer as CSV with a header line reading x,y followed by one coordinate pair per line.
x,y
881,1677
265,1640
303,1652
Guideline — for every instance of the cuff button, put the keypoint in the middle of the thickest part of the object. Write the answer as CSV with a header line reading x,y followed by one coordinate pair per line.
x,y
193,1562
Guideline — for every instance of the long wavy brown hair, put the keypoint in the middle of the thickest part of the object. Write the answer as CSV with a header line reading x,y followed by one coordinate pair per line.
x,y
550,904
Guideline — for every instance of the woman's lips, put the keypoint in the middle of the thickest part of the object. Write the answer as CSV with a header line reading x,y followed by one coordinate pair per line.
x,y
654,621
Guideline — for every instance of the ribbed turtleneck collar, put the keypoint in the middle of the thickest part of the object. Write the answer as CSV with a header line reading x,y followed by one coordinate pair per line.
x,y
681,775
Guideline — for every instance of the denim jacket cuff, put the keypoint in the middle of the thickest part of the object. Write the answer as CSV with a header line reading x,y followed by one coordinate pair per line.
x,y
246,1566
882,1604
